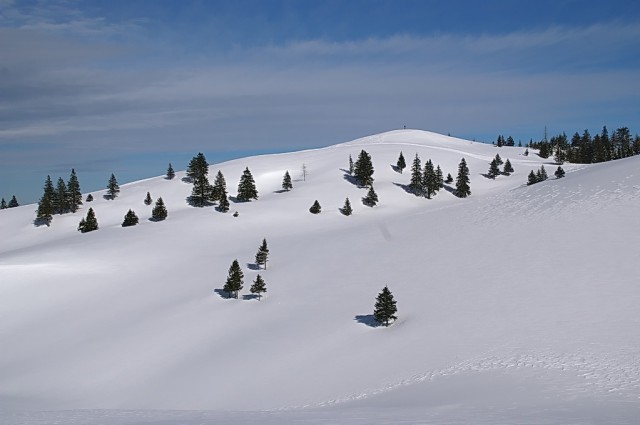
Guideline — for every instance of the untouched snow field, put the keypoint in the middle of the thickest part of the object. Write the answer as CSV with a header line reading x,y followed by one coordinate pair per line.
x,y
519,304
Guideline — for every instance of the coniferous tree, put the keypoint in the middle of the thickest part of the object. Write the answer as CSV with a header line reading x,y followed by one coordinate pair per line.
x,y
74,193
493,169
247,187
61,197
148,200
223,202
219,190
159,211
401,163
363,169
130,219
449,179
385,307
170,173
197,172
286,181
346,209
508,168
13,202
462,182
429,180
258,287
112,187
498,159
559,172
315,208
351,167
3,204
262,255
89,198
532,178
543,173
510,141
45,211
88,224
439,177
415,184
234,280
371,199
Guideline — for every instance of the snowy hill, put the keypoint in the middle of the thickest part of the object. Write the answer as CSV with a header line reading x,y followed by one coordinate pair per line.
x,y
515,301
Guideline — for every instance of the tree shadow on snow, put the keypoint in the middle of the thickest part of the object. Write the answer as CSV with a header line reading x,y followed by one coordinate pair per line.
x,y
396,168
253,266
367,319
407,189
198,204
223,294
487,176
351,179
450,189
250,297
280,191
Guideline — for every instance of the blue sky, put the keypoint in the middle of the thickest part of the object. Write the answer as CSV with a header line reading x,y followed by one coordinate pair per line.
x,y
126,87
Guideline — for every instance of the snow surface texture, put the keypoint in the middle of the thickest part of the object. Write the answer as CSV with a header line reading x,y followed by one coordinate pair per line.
x,y
518,304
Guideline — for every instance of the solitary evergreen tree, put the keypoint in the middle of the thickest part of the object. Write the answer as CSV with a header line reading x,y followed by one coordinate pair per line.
x,y
170,173
13,202
363,169
219,190
415,184
112,187
449,179
159,211
45,211
197,172
493,169
3,204
223,202
429,180
371,199
148,200
262,255
74,193
88,224
130,219
351,166
532,178
315,208
401,164
526,152
385,307
508,168
346,209
439,177
89,198
462,181
247,187
286,181
234,280
258,287
559,173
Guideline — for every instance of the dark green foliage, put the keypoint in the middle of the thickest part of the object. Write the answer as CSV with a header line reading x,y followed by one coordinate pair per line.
x,y
510,141
415,184
371,199
449,179
223,202
234,280
526,152
462,181
13,202
258,287
500,141
493,169
89,198
247,187
439,177
532,178
112,187
286,181
219,190
88,224
159,211
170,173
429,180
543,173
385,308
60,199
508,168
351,167
559,172
130,219
401,164
148,200
363,169
3,204
346,209
315,208
73,192
498,159
45,211
197,172
545,150
262,256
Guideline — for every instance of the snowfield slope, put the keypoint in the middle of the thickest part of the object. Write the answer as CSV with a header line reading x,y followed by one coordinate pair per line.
x,y
516,302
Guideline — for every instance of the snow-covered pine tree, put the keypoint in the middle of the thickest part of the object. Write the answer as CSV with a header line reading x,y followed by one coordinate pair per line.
x,y
543,173
508,168
429,180
159,211
493,169
130,219
498,159
462,182
247,187
148,200
363,169
112,187
401,164
415,183
346,209
170,173
258,287
74,193
385,307
559,172
286,181
371,199
219,190
197,172
315,208
532,178
439,177
234,282
262,256
88,224
13,202
223,202
89,198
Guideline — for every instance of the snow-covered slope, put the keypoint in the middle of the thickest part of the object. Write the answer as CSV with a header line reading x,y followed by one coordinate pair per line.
x,y
514,287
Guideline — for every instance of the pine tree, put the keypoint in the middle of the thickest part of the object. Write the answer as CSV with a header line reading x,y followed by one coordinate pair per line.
x,y
60,203
385,307
346,209
559,173
234,280
363,169
543,173
538,176
258,287
498,159
510,141
219,190
462,182
170,173
439,177
223,202
13,202
112,187
415,184
371,199
159,211
247,187
148,200
526,152
45,211
197,172
449,179
3,204
89,198
74,193
493,169
351,166
286,181
429,180
315,208
401,164
508,168
532,179
130,219
262,255
88,224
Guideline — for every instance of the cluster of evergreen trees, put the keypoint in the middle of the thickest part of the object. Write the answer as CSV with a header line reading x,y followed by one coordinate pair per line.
x,y
494,167
235,276
64,198
500,142
541,175
13,202
427,182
